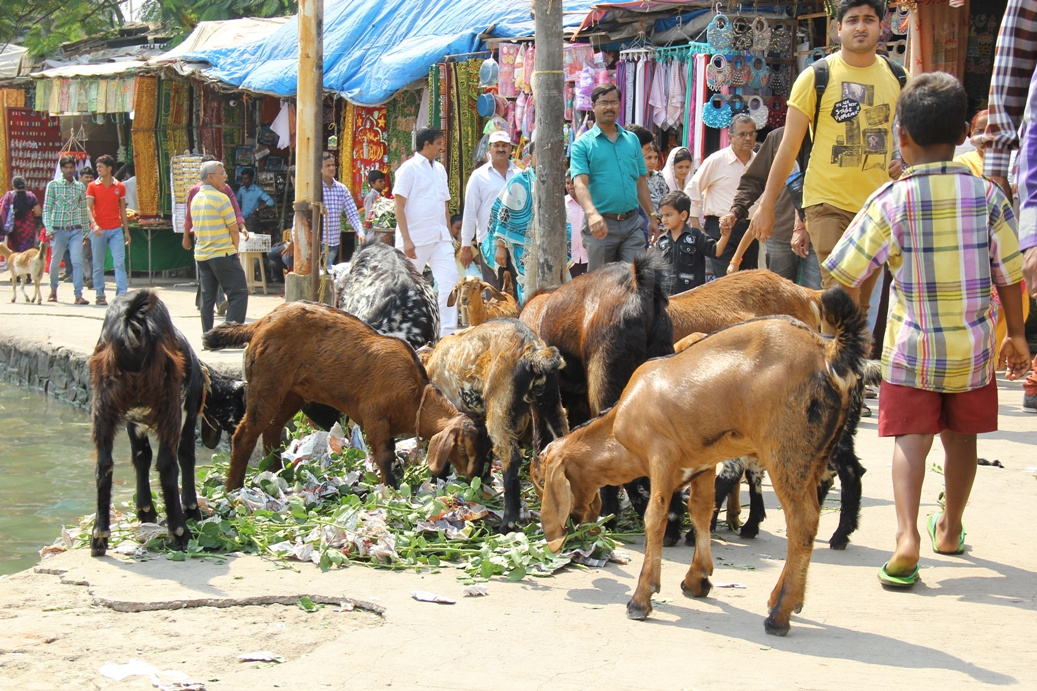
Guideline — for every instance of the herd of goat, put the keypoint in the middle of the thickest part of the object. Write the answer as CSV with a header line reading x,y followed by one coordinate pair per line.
x,y
609,380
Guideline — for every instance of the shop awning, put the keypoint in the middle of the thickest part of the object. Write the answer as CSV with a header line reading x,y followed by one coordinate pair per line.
x,y
224,34
374,48
103,69
10,60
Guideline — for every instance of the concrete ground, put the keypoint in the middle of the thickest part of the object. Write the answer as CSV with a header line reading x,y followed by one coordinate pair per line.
x,y
971,620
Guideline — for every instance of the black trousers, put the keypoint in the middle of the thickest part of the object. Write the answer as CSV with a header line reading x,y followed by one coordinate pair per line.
x,y
751,258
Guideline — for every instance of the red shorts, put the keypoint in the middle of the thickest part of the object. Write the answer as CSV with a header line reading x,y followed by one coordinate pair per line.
x,y
907,410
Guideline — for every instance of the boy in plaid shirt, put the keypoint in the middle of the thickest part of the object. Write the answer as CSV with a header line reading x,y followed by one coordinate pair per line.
x,y
946,236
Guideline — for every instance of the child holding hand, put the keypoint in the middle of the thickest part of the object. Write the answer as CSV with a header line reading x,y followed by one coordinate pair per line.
x,y
946,236
686,247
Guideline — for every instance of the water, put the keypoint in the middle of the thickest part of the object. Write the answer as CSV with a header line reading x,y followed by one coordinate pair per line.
x,y
47,460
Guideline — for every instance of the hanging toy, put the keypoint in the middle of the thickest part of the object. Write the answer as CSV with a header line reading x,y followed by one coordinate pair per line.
x,y
719,33
716,113
761,34
584,88
718,73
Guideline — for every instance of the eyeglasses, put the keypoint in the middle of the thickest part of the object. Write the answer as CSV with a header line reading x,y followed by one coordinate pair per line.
x,y
607,104
744,135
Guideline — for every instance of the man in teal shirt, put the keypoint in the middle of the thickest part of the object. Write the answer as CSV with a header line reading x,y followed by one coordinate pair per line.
x,y
608,172
251,198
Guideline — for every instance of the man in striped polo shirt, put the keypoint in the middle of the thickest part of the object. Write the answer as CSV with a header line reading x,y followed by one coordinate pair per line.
x,y
216,247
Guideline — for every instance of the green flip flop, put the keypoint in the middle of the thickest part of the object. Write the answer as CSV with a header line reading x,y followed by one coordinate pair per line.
x,y
930,526
888,579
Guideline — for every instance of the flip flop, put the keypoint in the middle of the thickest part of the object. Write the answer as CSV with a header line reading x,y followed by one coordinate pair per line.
x,y
930,525
888,579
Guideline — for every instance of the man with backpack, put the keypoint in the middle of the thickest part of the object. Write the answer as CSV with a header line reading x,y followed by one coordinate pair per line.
x,y
850,98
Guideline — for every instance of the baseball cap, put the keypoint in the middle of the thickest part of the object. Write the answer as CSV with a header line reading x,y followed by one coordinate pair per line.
x,y
499,136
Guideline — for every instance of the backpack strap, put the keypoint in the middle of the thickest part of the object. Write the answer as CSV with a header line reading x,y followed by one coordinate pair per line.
x,y
820,68
897,70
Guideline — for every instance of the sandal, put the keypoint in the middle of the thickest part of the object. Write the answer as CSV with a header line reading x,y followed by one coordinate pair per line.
x,y
100,300
81,301
53,297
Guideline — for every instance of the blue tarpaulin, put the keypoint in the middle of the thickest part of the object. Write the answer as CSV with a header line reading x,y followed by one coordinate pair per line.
x,y
374,48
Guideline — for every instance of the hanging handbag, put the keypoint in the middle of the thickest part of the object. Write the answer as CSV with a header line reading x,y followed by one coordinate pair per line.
x,y
761,34
815,55
776,112
757,110
761,74
779,79
740,72
781,41
719,33
718,73
741,34
736,103
716,113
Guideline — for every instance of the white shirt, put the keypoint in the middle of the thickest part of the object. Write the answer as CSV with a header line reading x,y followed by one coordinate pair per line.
x,y
131,192
423,184
574,212
484,185
714,185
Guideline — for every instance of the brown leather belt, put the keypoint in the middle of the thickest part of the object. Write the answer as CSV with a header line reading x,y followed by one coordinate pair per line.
x,y
621,217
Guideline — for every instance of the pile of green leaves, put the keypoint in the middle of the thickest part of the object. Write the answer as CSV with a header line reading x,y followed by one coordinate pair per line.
x,y
334,512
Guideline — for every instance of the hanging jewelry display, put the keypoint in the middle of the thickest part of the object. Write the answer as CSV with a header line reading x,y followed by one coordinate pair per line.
x,y
736,103
776,112
761,34
740,71
761,75
718,73
781,40
716,113
741,34
719,33
757,111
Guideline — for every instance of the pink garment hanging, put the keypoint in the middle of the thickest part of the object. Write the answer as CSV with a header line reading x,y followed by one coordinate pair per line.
x,y
675,95
659,95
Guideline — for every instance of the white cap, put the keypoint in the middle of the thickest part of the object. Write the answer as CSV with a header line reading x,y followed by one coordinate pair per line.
x,y
499,136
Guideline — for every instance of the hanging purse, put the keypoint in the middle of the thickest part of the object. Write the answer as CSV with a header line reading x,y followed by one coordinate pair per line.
x,y
779,79
815,55
781,41
719,33
718,73
776,112
741,34
740,72
716,113
761,34
761,74
736,103
757,110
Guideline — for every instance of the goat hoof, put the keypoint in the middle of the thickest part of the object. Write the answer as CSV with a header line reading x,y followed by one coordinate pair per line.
x,y
699,588
508,527
671,539
839,541
749,531
194,514
180,541
775,628
98,547
637,612
147,515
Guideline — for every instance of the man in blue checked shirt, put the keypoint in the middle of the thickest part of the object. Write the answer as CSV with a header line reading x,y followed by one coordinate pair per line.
x,y
252,197
64,217
337,201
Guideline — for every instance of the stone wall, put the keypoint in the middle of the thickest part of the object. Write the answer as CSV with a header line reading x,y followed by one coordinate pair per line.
x,y
57,371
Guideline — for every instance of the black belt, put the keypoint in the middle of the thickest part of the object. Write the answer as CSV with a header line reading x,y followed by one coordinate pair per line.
x,y
621,217
70,228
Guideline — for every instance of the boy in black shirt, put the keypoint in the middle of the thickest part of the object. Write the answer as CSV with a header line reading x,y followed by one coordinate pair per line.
x,y
685,247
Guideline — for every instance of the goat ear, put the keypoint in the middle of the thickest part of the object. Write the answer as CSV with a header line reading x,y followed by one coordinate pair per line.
x,y
557,502
496,294
452,298
440,446
210,435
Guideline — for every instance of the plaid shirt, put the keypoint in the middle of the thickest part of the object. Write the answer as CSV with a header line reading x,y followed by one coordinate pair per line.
x,y
946,235
64,205
336,200
1014,62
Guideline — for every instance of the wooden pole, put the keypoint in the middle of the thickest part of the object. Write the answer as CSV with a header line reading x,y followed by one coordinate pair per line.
x,y
549,243
309,98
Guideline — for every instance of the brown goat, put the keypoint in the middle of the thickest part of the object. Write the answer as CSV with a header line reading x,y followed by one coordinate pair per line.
x,y
770,388
304,351
741,296
505,378
469,292
31,262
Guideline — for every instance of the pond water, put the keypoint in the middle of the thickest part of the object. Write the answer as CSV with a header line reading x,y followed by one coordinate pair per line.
x,y
47,460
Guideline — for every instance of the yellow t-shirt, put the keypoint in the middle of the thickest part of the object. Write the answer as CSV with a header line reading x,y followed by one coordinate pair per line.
x,y
854,138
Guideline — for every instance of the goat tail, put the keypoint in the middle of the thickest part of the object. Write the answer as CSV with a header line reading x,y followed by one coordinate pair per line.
x,y
229,335
846,353
872,373
543,360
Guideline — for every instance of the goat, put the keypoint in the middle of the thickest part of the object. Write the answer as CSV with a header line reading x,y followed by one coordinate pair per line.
x,y
759,293
384,290
143,371
28,263
605,324
469,293
309,352
505,378
224,406
727,396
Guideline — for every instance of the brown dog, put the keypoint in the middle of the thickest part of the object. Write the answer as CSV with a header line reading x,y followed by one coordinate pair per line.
x,y
30,262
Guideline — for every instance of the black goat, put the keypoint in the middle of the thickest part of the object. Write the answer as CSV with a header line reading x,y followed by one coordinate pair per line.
x,y
143,371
